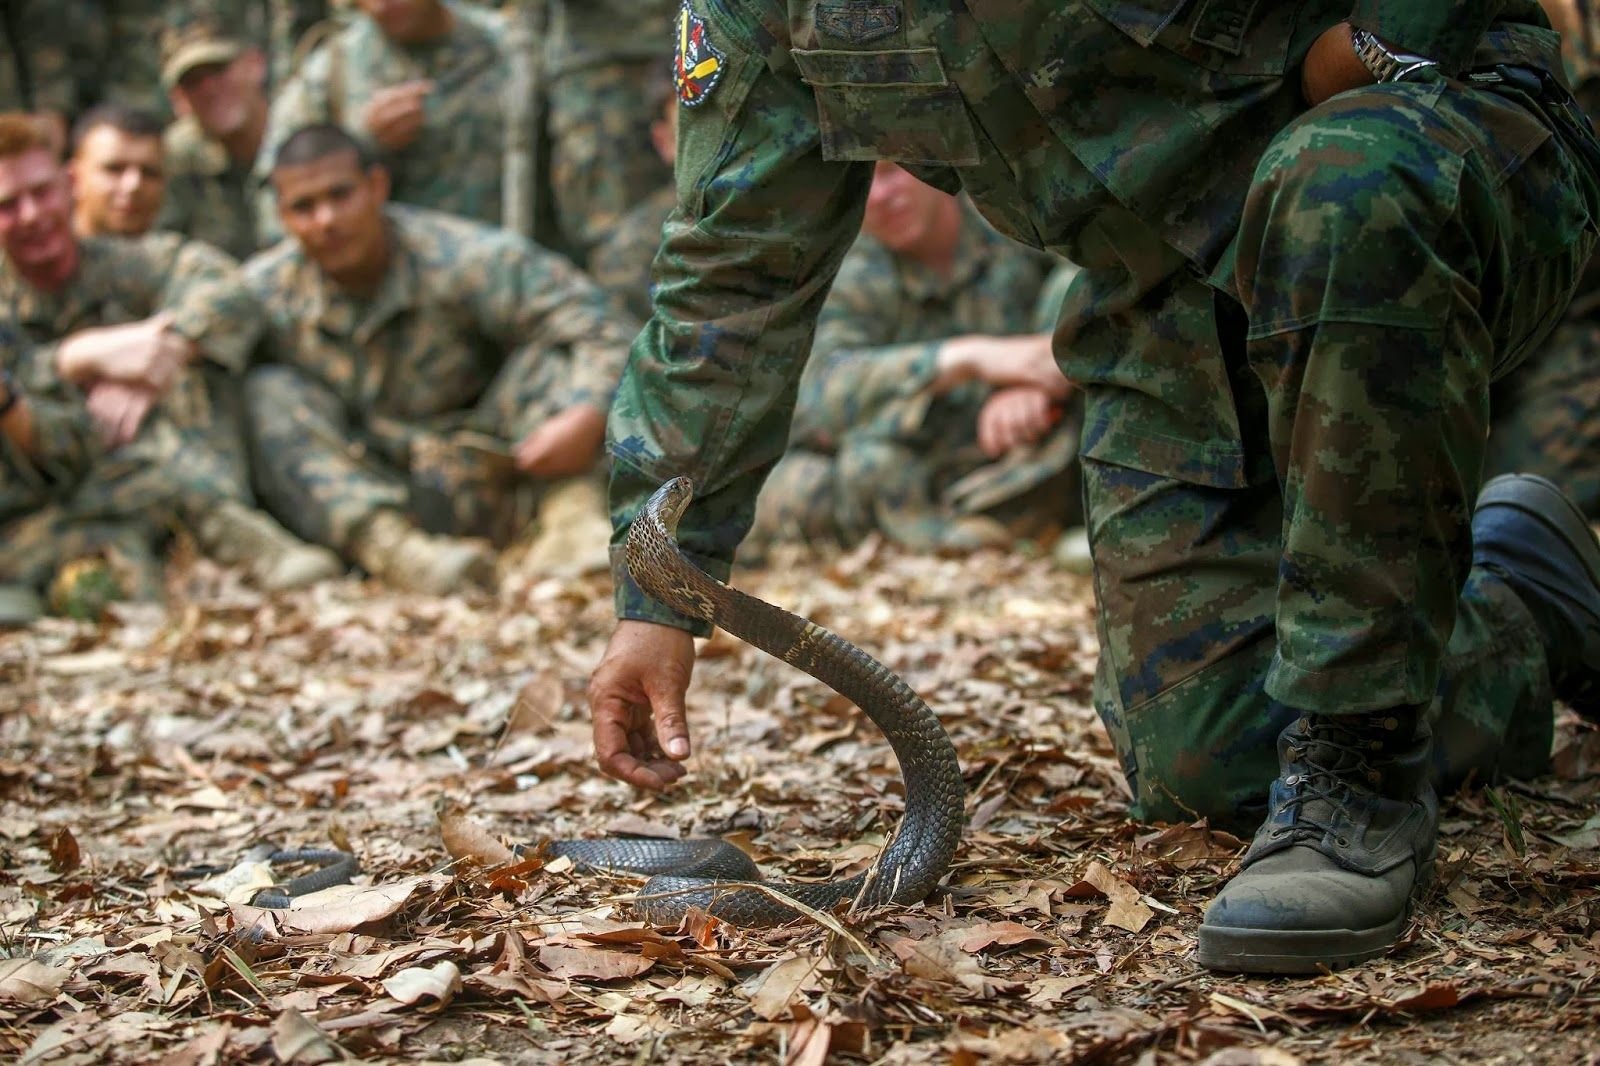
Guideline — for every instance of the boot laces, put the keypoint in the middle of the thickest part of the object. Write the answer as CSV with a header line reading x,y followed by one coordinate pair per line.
x,y
1331,756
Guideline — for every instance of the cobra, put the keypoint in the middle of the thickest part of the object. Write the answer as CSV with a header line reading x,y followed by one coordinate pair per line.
x,y
713,875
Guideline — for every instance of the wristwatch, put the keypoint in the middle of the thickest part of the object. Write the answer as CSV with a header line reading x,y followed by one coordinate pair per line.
x,y
12,393
1385,63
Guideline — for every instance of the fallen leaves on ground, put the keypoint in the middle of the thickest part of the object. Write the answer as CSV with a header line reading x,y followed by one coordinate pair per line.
x,y
144,756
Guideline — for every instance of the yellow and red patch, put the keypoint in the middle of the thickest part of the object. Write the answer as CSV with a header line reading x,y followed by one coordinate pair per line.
x,y
698,67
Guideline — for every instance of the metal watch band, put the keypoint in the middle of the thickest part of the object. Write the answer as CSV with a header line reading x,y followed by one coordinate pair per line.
x,y
1385,64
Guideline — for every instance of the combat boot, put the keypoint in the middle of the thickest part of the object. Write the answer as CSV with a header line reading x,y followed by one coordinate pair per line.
x,y
1350,836
396,552
574,530
236,535
1537,541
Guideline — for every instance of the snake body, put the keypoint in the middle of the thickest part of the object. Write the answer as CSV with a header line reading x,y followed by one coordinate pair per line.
x,y
707,873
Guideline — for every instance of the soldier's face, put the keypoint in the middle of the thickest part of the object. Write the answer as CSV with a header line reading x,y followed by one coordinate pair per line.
x,y
223,97
402,20
35,209
901,211
119,180
335,210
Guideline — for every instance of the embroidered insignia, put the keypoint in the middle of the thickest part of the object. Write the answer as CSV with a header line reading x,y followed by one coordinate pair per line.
x,y
699,65
858,23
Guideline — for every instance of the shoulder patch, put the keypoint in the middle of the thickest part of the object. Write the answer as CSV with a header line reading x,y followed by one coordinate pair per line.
x,y
857,22
698,65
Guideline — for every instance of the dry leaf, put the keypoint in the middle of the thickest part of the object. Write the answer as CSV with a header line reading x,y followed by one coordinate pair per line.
x,y
783,983
296,1039
345,907
64,857
1126,910
466,839
986,935
438,983
30,983
573,961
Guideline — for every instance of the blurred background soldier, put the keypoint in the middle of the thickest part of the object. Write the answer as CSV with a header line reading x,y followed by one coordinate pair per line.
x,y
421,83
118,171
217,85
928,390
603,67
84,524
426,370
145,327
621,263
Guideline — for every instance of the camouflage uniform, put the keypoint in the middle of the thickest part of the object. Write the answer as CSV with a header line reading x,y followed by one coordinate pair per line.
x,y
1285,330
49,52
209,197
69,500
621,263
455,163
194,435
411,399
870,448
603,66
132,71
1547,416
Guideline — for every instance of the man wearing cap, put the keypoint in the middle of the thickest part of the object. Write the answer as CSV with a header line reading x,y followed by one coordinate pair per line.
x,y
422,83
217,85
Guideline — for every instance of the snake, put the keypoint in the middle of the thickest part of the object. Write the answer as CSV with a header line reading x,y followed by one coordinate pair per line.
x,y
714,875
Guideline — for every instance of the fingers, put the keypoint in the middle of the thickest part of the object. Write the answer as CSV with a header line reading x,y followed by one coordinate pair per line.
x,y
671,720
625,746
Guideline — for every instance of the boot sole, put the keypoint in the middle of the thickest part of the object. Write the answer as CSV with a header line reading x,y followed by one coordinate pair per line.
x,y
1541,499
1293,951
1304,951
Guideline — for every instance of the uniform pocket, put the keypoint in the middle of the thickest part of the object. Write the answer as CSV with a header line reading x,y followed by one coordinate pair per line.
x,y
1237,37
895,104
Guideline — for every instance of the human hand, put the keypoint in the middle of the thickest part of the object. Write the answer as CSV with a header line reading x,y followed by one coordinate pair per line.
x,y
1005,361
1332,66
567,444
636,700
1013,417
146,353
119,409
394,114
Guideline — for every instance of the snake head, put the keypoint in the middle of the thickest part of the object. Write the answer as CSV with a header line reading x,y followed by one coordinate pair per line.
x,y
669,502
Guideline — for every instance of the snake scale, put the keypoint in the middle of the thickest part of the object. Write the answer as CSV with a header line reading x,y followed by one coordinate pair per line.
x,y
707,873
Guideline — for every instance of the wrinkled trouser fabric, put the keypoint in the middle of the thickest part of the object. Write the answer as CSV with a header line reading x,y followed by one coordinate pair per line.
x,y
1402,247
324,470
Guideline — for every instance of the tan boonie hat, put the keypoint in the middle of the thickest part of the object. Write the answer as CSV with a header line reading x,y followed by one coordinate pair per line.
x,y
194,45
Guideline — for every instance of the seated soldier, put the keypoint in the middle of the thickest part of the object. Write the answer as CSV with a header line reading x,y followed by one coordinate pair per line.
x,y
64,503
1546,417
423,84
217,85
929,410
424,372
621,263
118,172
149,329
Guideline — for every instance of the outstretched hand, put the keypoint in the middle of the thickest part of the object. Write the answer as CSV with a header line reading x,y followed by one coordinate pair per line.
x,y
636,699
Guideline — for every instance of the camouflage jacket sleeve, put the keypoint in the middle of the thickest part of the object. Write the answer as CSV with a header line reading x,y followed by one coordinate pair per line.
x,y
746,260
1444,30
211,305
533,298
857,370
65,443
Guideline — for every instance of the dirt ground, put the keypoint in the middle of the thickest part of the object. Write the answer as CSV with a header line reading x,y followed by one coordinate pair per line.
x,y
141,758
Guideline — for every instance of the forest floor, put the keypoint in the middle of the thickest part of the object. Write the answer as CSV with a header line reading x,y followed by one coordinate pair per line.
x,y
141,756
